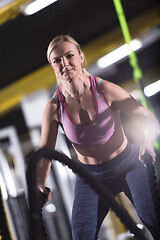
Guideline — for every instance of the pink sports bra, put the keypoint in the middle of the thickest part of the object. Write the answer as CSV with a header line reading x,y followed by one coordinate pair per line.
x,y
97,131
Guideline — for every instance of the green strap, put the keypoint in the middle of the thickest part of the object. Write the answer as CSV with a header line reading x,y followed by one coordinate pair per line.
x,y
137,73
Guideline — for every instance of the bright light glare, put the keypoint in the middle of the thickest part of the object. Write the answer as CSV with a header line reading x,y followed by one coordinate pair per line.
x,y
119,53
140,226
51,208
37,6
152,89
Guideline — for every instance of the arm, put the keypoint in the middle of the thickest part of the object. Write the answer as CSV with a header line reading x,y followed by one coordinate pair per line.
x,y
120,99
48,139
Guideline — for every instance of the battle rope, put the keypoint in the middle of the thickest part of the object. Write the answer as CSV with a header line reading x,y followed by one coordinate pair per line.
x,y
154,186
37,225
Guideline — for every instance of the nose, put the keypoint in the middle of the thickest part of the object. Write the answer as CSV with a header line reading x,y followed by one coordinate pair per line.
x,y
64,62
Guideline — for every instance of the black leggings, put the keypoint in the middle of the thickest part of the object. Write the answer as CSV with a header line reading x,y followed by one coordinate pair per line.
x,y
118,176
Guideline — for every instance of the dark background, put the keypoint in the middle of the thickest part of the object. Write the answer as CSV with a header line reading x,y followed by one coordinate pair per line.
x,y
24,41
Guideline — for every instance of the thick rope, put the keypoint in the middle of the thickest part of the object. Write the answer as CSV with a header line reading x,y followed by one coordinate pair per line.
x,y
37,225
154,186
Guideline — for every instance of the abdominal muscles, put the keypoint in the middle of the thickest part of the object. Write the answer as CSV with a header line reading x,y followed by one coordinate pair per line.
x,y
102,152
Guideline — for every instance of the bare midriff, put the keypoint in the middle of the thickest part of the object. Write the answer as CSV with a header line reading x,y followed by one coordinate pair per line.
x,y
100,153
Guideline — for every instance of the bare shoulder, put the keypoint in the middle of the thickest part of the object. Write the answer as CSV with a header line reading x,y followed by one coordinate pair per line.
x,y
119,98
50,123
111,91
106,85
51,111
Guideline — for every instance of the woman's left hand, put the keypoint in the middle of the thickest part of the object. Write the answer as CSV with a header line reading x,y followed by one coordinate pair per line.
x,y
147,148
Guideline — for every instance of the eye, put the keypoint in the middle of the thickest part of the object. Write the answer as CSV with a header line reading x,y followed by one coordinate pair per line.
x,y
58,60
70,56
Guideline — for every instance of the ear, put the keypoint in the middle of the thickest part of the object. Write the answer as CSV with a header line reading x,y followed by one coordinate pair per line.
x,y
82,57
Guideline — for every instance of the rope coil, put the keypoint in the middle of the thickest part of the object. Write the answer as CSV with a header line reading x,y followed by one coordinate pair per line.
x,y
38,230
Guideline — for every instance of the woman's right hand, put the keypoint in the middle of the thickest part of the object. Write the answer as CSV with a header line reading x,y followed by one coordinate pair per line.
x,y
43,170
44,195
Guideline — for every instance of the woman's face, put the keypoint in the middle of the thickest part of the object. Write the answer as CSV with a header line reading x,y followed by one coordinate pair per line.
x,y
66,61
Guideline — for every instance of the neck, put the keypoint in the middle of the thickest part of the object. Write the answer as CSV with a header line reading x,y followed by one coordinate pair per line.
x,y
75,88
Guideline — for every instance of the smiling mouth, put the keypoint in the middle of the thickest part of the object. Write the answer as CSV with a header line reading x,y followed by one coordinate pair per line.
x,y
67,71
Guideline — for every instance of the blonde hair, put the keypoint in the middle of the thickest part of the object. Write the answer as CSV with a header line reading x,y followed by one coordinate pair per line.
x,y
64,38
59,39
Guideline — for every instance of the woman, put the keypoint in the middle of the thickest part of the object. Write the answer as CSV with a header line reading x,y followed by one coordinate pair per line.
x,y
87,108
